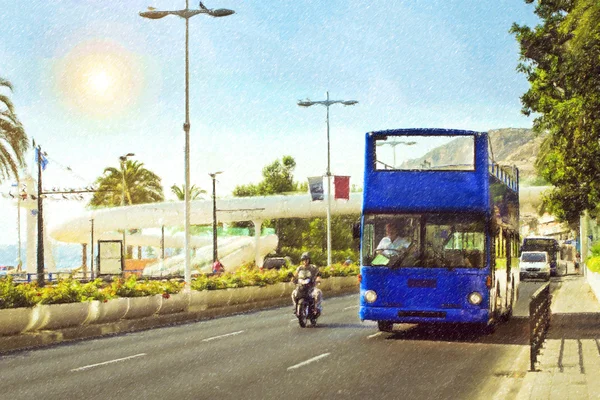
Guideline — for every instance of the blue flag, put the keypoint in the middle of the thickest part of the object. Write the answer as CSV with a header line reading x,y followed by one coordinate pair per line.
x,y
315,186
44,161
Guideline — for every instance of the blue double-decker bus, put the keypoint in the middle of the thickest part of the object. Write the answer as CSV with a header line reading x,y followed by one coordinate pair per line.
x,y
439,229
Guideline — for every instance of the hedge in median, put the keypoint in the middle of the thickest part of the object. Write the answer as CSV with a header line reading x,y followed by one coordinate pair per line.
x,y
15,295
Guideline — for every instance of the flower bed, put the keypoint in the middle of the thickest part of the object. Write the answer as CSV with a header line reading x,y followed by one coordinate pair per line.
x,y
17,295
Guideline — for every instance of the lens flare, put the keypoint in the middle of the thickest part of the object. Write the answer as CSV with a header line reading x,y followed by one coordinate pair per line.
x,y
99,78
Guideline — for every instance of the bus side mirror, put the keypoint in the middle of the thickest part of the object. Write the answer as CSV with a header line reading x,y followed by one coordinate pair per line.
x,y
356,231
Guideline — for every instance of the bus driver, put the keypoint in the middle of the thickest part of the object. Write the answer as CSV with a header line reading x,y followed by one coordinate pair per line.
x,y
392,243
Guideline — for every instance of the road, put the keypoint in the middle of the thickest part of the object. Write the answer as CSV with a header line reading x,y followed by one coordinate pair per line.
x,y
266,355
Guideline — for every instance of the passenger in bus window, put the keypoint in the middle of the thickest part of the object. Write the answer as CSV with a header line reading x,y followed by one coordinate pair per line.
x,y
392,242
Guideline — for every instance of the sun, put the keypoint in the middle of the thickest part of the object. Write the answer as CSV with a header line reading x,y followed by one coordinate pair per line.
x,y
99,82
99,78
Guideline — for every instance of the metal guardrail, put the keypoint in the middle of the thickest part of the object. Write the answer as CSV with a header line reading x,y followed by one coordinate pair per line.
x,y
27,277
539,321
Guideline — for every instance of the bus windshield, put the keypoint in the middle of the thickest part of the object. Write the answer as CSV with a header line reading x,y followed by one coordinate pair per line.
x,y
424,240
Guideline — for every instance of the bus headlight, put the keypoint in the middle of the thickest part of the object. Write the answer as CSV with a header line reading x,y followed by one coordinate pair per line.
x,y
370,296
475,298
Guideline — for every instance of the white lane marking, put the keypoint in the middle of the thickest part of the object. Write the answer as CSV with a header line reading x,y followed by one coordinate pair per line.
x,y
348,308
374,335
303,363
221,336
107,362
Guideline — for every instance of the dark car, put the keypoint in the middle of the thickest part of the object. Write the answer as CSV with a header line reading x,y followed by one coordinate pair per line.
x,y
275,263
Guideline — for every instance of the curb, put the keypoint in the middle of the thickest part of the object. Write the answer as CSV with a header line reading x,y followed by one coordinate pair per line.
x,y
593,279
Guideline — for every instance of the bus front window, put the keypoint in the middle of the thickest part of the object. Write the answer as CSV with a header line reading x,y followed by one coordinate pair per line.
x,y
392,241
453,241
428,240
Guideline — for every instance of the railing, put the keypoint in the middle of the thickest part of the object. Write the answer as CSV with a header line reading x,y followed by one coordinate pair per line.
x,y
539,321
28,277
508,175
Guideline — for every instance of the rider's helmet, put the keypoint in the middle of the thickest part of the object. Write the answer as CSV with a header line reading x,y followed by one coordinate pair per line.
x,y
305,256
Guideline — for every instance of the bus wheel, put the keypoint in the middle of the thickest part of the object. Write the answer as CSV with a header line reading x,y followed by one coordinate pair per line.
x,y
385,326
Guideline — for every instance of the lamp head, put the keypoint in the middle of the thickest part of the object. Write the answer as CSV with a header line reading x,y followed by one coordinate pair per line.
x,y
305,103
220,12
349,102
154,14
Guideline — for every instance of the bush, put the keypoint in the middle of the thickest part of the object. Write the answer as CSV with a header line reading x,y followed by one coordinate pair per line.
x,y
14,295
595,249
132,287
593,263
319,256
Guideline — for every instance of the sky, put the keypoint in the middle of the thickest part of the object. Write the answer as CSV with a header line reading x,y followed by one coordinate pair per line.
x,y
93,81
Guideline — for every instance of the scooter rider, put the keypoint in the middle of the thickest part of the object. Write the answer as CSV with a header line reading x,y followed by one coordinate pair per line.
x,y
317,294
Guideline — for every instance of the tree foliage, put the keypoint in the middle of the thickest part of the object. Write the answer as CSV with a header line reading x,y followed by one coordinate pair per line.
x,y
278,177
13,140
129,184
195,192
297,233
561,60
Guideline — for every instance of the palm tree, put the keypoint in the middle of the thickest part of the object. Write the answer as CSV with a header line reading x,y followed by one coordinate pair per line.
x,y
13,140
195,192
131,183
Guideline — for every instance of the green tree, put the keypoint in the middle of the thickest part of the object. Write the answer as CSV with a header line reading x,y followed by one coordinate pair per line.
x,y
13,140
298,233
195,192
138,184
278,177
560,60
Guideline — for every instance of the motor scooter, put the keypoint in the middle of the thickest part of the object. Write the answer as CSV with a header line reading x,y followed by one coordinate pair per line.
x,y
305,304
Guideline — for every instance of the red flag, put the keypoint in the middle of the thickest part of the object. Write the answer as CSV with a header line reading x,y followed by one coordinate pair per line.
x,y
342,187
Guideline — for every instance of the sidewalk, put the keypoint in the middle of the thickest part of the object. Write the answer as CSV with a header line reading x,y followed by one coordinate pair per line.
x,y
569,363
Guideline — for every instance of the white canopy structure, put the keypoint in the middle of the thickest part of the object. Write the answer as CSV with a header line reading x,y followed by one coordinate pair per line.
x,y
108,221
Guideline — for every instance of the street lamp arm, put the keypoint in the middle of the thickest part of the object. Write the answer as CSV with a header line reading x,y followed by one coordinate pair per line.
x,y
187,13
326,103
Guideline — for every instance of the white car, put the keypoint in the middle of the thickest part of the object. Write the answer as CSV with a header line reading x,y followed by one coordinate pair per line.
x,y
535,264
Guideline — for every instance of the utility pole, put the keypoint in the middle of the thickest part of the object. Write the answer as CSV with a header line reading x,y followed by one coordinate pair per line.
x,y
40,223
92,274
214,199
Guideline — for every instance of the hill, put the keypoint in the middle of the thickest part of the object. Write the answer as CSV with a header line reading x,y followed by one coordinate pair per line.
x,y
509,146
518,147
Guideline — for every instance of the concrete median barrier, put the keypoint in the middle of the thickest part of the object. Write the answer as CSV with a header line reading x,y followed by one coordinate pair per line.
x,y
14,321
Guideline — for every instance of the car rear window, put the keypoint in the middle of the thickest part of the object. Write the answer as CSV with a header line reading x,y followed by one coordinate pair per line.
x,y
533,257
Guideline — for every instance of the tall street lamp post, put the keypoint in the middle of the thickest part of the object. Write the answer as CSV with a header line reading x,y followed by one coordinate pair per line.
x,y
327,103
394,144
214,199
123,160
187,14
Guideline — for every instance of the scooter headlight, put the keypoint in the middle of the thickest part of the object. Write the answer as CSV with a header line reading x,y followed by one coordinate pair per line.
x,y
475,298
370,296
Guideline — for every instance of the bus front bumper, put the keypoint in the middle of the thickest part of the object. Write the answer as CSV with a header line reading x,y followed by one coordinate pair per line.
x,y
403,315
